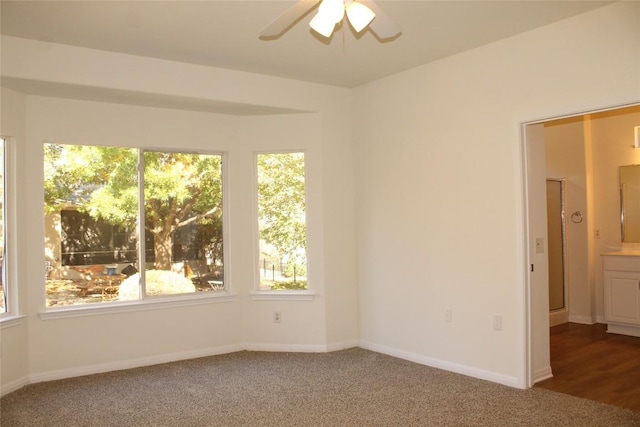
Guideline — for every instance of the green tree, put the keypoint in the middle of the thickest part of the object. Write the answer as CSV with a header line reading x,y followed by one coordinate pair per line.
x,y
179,189
281,203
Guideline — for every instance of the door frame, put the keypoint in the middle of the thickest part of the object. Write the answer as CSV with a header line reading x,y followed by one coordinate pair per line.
x,y
534,317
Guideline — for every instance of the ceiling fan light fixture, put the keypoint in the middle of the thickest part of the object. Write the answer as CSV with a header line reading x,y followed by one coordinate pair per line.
x,y
321,25
359,15
333,10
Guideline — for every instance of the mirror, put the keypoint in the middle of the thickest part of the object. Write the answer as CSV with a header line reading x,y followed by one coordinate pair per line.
x,y
630,203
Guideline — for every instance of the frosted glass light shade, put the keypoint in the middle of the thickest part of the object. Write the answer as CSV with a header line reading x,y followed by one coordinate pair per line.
x,y
359,16
333,10
322,25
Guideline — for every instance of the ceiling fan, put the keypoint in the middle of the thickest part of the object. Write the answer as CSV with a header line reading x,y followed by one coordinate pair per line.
x,y
360,14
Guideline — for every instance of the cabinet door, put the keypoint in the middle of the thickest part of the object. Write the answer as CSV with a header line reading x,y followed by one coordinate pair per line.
x,y
622,300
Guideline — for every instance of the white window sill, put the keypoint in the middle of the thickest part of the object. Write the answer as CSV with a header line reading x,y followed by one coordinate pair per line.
x,y
153,303
282,296
9,321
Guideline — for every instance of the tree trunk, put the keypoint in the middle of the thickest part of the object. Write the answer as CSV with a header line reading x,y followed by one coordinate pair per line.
x,y
162,250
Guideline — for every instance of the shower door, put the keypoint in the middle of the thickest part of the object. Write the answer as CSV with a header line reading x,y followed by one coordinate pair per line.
x,y
556,244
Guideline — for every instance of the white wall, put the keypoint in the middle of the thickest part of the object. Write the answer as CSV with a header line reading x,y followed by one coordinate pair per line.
x,y
59,347
440,191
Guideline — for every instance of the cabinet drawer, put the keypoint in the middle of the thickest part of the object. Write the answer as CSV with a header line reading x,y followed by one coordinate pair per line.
x,y
622,263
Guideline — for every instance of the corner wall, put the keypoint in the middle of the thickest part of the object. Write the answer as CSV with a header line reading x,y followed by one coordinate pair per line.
x,y
440,188
59,347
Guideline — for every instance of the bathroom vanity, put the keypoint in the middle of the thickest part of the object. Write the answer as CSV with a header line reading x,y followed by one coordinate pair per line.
x,y
622,292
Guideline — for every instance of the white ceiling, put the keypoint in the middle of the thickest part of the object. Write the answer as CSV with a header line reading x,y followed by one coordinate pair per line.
x,y
225,33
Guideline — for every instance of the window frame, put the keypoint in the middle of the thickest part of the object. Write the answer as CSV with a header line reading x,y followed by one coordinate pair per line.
x,y
157,301
277,295
11,313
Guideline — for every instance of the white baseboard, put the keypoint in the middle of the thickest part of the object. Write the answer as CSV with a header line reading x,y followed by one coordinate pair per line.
x,y
445,365
344,345
633,331
131,363
14,385
558,317
585,320
306,348
542,374
294,348
301,348
173,357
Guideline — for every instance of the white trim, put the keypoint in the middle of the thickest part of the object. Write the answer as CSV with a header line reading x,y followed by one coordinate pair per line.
x,y
585,320
526,295
558,317
227,245
143,305
301,348
282,296
131,363
13,386
613,328
344,345
542,374
583,112
280,348
10,321
11,215
172,357
445,365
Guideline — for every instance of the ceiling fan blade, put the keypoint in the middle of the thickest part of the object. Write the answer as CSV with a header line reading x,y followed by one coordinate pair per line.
x,y
288,18
382,24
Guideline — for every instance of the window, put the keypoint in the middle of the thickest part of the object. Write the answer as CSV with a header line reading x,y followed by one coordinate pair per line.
x,y
4,305
282,229
95,200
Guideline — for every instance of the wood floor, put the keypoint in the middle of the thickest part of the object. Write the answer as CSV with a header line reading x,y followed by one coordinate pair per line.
x,y
589,362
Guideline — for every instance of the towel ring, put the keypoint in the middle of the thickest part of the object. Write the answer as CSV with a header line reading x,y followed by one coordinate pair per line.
x,y
576,217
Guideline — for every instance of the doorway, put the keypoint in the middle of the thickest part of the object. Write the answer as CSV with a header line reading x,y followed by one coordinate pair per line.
x,y
596,226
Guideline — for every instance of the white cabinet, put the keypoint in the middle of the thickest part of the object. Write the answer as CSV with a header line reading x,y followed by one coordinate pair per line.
x,y
622,293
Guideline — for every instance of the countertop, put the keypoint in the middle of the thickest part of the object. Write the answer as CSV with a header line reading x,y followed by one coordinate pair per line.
x,y
625,252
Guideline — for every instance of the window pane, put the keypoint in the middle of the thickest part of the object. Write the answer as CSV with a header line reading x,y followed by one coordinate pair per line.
x,y
282,221
3,288
91,208
183,222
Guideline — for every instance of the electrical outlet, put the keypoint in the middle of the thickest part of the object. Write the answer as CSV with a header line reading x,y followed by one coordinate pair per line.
x,y
277,317
448,315
497,322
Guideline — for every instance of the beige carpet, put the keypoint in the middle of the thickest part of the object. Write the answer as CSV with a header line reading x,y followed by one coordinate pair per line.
x,y
353,387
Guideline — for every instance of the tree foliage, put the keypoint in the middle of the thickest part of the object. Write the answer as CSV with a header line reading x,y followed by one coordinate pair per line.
x,y
282,204
180,189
